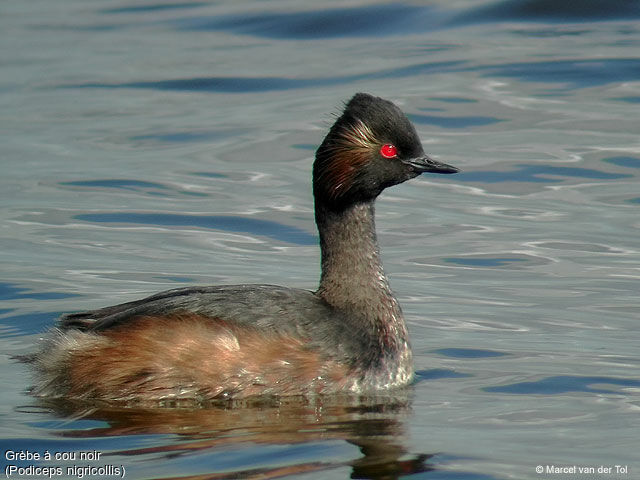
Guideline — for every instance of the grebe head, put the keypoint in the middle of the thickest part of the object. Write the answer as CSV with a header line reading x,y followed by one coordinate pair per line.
x,y
371,146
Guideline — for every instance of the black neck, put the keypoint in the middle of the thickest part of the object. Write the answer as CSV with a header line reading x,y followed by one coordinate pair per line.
x,y
353,279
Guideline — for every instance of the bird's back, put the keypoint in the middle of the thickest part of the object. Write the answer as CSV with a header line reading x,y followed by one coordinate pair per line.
x,y
206,342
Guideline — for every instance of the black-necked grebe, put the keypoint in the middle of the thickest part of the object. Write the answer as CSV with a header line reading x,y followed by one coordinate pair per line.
x,y
238,341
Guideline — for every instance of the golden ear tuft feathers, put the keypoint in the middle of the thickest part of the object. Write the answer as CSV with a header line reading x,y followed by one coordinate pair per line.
x,y
352,149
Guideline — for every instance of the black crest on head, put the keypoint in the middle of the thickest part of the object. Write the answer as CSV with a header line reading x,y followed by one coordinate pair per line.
x,y
349,167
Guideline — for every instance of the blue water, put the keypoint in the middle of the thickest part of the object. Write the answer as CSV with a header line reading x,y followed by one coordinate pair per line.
x,y
148,145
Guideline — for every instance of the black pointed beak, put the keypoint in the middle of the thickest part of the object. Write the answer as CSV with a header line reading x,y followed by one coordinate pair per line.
x,y
427,164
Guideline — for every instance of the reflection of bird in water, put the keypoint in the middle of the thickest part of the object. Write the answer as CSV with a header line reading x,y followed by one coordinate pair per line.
x,y
373,424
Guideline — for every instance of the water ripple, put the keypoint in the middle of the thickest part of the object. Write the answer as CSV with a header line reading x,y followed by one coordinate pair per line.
x,y
628,99
154,8
628,162
28,324
364,21
267,84
511,262
398,19
439,373
9,291
125,184
576,73
186,137
551,11
537,174
564,384
454,122
227,223
149,188
468,353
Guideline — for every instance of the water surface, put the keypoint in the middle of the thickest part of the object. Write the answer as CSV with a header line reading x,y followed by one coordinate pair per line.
x,y
148,145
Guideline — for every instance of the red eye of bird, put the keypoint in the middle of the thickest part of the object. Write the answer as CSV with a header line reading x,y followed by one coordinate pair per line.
x,y
388,151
